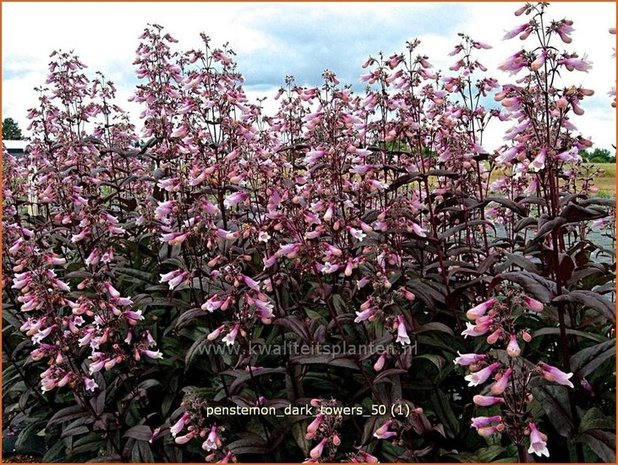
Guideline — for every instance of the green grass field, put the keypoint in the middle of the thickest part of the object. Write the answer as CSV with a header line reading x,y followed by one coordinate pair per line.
x,y
607,181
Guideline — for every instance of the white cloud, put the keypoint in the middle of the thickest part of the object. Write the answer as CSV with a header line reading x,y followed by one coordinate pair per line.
x,y
592,21
275,39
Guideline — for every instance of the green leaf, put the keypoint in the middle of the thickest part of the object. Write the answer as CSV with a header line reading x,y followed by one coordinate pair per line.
x,y
508,203
460,227
435,326
139,432
536,285
574,332
574,213
54,453
444,412
589,359
299,431
555,402
592,300
87,444
345,361
602,443
594,419
196,349
66,414
31,429
437,360
137,276
546,226
250,443
488,454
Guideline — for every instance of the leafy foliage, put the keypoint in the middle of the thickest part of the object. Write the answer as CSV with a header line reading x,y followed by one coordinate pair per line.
x,y
11,130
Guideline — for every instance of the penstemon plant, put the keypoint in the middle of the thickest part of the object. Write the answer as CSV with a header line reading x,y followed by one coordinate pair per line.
x,y
353,278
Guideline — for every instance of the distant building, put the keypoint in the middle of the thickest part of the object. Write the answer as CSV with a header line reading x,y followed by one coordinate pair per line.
x,y
17,148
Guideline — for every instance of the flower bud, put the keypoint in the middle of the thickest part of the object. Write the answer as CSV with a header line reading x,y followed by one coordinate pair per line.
x,y
513,348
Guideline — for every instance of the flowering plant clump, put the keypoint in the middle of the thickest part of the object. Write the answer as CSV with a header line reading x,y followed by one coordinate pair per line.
x,y
353,278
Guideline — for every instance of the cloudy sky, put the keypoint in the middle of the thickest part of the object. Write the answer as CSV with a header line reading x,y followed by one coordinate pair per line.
x,y
273,40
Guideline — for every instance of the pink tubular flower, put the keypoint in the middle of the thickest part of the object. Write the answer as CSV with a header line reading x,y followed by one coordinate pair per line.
x,y
418,230
480,310
235,199
364,315
551,373
22,281
316,452
574,63
264,310
174,278
532,304
90,384
500,386
313,156
328,268
313,426
587,386
468,359
186,438
96,366
490,430
180,132
328,216
174,238
31,326
493,337
40,335
251,283
81,235
402,334
482,422
476,330
515,32
133,316
93,258
514,63
231,336
383,433
213,303
154,354
538,441
522,10
288,250
513,348
539,161
53,259
380,362
486,401
479,377
170,184
111,290
180,424
539,61
564,28
213,441
164,209
60,285
216,333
